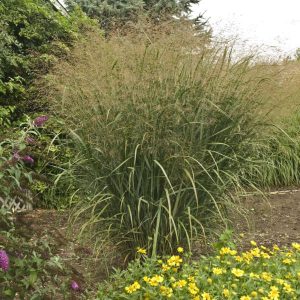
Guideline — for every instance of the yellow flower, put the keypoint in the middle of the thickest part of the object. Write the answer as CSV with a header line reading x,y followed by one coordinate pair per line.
x,y
296,246
193,289
226,293
276,248
197,298
274,293
289,254
155,280
247,256
254,275
191,278
287,261
132,288
165,267
237,272
288,275
174,261
255,252
245,298
238,258
287,288
166,291
209,280
218,271
265,255
179,284
280,281
226,250
180,250
266,276
261,290
206,296
141,250
253,294
253,243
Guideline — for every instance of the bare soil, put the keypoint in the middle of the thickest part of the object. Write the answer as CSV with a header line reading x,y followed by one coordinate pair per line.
x,y
272,221
275,220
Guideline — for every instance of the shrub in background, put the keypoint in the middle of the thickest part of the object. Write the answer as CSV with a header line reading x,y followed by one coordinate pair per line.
x,y
164,131
114,14
33,35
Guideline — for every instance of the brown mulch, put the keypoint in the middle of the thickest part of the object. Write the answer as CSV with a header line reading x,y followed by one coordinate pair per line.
x,y
275,220
272,221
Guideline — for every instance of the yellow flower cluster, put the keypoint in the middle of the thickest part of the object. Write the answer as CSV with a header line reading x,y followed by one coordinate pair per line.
x,y
166,291
237,272
226,250
174,261
132,288
155,280
259,273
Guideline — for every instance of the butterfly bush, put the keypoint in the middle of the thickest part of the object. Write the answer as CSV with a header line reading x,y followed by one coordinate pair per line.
x,y
4,261
40,121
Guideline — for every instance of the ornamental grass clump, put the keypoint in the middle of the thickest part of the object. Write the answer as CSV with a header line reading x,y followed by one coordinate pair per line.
x,y
163,129
258,273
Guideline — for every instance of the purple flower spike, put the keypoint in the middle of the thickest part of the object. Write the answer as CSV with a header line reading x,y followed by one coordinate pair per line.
x,y
28,159
40,121
16,156
4,260
74,285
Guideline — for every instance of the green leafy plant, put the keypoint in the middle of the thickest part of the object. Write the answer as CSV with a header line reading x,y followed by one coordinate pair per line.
x,y
259,273
31,156
32,271
33,36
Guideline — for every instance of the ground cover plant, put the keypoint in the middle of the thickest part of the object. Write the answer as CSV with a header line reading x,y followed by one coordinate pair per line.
x,y
258,273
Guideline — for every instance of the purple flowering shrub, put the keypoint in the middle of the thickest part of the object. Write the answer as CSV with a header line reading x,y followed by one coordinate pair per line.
x,y
18,163
32,154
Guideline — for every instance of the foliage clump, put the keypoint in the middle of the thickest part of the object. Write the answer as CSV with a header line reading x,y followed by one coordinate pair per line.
x,y
164,133
258,273
116,13
33,36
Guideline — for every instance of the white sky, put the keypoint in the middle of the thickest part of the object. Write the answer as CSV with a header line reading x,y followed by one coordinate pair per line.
x,y
271,25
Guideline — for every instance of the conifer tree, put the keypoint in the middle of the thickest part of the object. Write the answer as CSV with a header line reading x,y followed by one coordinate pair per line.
x,y
108,11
